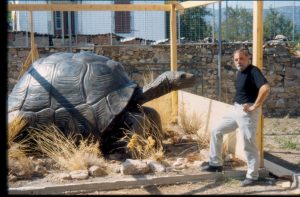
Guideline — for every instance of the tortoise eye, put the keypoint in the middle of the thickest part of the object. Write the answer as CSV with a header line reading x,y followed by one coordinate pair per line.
x,y
183,76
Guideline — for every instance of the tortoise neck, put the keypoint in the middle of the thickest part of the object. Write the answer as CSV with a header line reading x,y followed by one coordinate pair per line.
x,y
159,87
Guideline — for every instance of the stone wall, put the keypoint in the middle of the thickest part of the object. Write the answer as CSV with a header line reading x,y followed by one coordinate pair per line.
x,y
144,62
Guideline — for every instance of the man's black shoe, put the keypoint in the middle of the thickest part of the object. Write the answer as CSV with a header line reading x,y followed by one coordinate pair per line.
x,y
210,168
248,182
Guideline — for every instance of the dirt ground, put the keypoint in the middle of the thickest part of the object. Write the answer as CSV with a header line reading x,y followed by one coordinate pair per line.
x,y
276,132
281,140
229,187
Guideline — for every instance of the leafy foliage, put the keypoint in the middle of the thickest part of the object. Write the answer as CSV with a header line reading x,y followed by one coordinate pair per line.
x,y
276,23
192,24
239,24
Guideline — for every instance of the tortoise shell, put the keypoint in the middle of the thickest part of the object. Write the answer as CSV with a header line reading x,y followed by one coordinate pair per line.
x,y
81,92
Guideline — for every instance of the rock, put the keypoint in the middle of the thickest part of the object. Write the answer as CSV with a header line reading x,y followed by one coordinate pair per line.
x,y
180,163
80,174
280,103
281,37
156,166
286,184
134,167
96,171
63,176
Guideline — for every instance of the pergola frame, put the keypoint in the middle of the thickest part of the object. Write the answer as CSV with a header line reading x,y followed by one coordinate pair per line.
x,y
171,7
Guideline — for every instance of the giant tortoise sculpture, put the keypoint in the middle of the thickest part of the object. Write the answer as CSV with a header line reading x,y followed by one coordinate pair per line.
x,y
86,93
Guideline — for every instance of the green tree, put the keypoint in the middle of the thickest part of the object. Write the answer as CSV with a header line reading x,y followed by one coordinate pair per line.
x,y
193,25
276,23
239,22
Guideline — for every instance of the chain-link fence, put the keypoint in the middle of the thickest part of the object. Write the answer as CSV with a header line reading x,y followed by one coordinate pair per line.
x,y
196,25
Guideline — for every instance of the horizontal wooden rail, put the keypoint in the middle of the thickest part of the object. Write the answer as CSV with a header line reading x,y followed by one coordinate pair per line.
x,y
89,7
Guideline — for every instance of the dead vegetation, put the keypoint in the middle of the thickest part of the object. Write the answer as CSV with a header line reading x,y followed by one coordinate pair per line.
x,y
146,143
64,149
14,129
148,76
192,125
18,162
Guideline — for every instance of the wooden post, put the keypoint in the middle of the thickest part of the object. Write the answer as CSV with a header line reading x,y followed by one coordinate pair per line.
x,y
33,53
258,61
173,59
31,35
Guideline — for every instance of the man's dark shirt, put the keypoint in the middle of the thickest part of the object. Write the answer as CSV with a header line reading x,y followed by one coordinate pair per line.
x,y
247,84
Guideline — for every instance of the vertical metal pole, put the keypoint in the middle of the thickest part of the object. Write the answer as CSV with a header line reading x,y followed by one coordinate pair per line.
x,y
213,25
70,31
145,27
111,30
220,51
294,22
173,58
179,36
31,36
62,27
52,24
27,41
226,34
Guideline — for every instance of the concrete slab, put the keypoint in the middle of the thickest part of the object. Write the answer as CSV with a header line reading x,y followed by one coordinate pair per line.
x,y
277,170
296,181
123,182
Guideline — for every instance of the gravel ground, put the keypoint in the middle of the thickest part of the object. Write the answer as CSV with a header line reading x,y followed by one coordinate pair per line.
x,y
207,187
276,131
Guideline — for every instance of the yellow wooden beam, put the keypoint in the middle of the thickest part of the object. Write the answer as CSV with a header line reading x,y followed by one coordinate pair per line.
x,y
257,60
31,30
88,7
173,58
33,53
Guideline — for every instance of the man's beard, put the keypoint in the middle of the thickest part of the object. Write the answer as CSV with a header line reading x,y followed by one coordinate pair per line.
x,y
241,67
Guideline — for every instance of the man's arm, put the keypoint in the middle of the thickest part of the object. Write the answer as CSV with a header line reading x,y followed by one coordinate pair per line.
x,y
263,93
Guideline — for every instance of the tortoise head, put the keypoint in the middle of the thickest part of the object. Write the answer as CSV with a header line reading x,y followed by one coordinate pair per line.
x,y
165,83
178,79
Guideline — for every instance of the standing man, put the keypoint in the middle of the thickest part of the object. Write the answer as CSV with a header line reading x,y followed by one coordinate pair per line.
x,y
252,90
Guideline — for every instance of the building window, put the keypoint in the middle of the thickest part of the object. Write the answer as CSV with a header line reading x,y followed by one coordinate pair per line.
x,y
57,20
122,19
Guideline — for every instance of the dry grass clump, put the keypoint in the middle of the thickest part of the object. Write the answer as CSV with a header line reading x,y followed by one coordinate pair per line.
x,y
202,139
190,125
18,162
64,149
146,143
14,129
148,76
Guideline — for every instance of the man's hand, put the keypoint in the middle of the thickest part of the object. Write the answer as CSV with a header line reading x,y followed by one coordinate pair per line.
x,y
262,95
248,108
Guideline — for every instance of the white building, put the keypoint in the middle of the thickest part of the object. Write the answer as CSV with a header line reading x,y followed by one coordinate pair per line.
x,y
150,25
